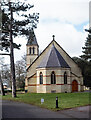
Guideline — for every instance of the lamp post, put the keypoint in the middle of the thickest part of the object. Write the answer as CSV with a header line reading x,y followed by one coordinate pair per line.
x,y
56,102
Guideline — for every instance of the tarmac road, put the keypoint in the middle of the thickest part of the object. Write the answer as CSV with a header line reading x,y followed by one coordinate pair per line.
x,y
12,109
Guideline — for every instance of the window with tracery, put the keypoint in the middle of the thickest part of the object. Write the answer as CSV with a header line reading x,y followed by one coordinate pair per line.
x,y
30,50
65,78
53,78
41,78
33,50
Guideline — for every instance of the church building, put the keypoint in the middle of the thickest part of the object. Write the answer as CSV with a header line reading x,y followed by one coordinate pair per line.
x,y
53,71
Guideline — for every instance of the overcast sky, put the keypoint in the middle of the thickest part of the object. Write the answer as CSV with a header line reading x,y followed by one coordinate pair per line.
x,y
66,19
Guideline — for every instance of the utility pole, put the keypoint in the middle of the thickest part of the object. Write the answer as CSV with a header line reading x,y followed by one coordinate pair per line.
x,y
12,55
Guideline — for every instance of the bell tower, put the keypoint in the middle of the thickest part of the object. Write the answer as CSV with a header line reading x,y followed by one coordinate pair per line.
x,y
32,48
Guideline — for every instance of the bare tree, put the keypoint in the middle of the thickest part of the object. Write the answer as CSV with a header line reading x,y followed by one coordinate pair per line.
x,y
20,72
4,74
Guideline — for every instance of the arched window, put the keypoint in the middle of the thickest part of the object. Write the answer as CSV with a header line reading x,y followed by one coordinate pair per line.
x,y
41,78
33,50
65,78
53,78
30,50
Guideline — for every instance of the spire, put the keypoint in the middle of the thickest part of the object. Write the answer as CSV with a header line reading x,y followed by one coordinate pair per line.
x,y
32,38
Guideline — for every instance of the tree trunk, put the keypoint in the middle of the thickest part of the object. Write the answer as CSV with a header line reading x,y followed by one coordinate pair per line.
x,y
2,89
12,56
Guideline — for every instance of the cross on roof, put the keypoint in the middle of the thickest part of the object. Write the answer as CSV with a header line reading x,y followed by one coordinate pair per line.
x,y
53,37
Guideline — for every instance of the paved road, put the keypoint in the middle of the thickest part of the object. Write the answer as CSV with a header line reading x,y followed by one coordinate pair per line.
x,y
21,110
0,108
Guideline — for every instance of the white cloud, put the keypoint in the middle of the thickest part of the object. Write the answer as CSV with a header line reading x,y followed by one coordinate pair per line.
x,y
75,12
59,17
65,34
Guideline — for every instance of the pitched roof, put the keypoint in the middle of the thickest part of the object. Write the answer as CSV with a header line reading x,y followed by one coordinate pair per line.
x,y
53,59
45,50
32,39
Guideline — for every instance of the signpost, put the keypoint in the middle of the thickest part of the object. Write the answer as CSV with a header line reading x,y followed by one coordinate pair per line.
x,y
42,100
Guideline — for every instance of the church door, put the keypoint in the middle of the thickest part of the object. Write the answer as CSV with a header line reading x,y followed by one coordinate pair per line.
x,y
74,86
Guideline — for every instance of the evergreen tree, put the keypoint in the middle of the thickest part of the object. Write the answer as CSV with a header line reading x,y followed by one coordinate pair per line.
x,y
87,49
86,70
22,23
87,58
88,30
12,27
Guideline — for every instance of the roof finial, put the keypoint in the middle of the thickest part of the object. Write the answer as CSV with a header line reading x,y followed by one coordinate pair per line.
x,y
53,37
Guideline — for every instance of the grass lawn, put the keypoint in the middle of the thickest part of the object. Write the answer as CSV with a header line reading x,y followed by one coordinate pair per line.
x,y
65,100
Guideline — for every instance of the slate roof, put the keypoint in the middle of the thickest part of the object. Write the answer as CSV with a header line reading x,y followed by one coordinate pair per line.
x,y
32,39
53,59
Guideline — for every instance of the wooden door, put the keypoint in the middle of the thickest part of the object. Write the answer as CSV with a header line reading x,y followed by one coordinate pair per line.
x,y
74,86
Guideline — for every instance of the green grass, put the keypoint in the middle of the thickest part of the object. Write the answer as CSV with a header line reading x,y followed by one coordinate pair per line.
x,y
65,100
